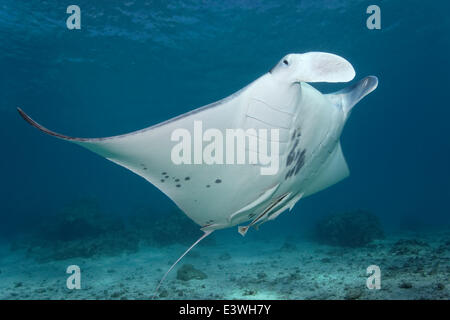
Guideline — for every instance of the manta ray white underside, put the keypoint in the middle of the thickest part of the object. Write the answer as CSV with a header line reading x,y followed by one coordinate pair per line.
x,y
218,196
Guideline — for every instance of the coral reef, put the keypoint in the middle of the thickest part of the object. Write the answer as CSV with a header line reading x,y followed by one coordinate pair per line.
x,y
165,228
413,265
408,246
353,293
349,229
79,219
288,246
78,230
82,229
257,270
188,272
225,256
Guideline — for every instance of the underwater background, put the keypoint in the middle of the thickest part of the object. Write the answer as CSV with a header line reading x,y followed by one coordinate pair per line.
x,y
137,63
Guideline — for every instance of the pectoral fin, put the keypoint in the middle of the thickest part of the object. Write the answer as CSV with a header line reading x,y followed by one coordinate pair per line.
x,y
334,170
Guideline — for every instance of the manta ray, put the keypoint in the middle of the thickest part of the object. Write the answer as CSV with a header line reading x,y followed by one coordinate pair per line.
x,y
217,196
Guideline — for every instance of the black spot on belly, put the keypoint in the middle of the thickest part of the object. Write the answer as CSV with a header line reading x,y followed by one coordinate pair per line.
x,y
293,134
208,186
162,180
295,161
300,161
176,180
167,177
290,158
164,173
218,181
289,174
187,178
301,158
178,185
145,168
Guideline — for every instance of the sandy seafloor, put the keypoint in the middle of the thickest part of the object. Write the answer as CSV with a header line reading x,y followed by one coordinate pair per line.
x,y
279,269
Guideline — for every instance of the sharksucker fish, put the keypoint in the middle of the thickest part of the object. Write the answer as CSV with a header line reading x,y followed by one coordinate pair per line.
x,y
217,196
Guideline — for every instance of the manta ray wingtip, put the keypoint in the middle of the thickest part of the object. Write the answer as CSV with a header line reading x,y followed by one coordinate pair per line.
x,y
33,123
23,114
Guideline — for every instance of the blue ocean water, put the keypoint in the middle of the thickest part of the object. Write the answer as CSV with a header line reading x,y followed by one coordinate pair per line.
x,y
137,63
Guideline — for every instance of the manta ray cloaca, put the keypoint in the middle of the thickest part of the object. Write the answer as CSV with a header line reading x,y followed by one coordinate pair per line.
x,y
218,196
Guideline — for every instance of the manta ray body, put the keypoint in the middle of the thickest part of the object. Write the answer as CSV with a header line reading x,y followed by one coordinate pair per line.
x,y
217,196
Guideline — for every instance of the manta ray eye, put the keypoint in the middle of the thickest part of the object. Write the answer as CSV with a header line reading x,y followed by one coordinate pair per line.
x,y
285,62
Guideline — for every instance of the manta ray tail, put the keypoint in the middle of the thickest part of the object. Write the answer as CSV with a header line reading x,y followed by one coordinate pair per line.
x,y
207,233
